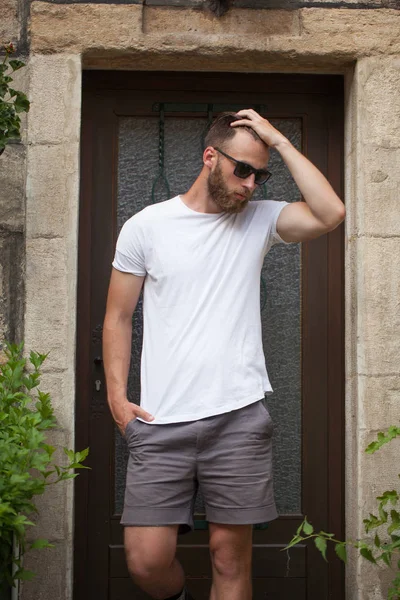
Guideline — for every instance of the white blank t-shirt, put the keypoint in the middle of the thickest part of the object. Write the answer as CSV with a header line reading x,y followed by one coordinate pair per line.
x,y
202,342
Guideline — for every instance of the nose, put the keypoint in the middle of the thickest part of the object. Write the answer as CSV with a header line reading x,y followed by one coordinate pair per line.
x,y
249,183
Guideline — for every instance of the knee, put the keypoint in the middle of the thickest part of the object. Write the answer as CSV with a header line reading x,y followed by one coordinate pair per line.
x,y
229,563
144,565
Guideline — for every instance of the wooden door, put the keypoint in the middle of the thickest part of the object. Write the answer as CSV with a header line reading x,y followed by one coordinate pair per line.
x,y
141,143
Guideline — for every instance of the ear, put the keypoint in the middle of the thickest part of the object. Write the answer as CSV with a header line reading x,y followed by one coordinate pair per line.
x,y
209,157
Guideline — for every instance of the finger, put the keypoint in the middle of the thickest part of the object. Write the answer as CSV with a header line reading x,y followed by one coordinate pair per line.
x,y
139,412
242,122
247,111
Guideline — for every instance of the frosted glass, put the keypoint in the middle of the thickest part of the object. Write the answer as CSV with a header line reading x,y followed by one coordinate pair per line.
x,y
137,169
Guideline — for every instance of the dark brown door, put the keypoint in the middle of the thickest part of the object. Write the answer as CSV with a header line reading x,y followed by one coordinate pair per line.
x,y
142,143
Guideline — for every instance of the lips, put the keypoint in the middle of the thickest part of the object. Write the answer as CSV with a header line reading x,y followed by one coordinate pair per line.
x,y
241,196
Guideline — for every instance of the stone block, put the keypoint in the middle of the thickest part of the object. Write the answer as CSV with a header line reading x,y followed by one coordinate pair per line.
x,y
324,37
379,78
378,208
374,580
57,28
246,22
9,22
378,306
11,286
12,188
50,301
53,568
55,95
379,402
60,386
351,305
52,188
51,520
21,82
343,32
378,471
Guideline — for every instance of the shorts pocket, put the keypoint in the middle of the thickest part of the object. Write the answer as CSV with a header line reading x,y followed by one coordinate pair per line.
x,y
130,428
267,417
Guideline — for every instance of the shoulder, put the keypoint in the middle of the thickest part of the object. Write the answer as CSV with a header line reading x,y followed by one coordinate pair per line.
x,y
266,208
150,214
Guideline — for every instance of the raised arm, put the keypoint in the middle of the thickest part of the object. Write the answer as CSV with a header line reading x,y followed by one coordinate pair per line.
x,y
123,295
323,210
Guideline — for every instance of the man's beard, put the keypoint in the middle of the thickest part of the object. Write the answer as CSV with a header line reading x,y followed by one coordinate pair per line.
x,y
226,200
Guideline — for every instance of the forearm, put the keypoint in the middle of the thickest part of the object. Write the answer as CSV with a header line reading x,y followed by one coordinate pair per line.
x,y
117,336
319,195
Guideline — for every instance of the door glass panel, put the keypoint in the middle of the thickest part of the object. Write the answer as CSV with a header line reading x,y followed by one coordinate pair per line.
x,y
281,290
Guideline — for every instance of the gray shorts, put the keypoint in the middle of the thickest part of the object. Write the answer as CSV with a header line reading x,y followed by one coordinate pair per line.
x,y
229,456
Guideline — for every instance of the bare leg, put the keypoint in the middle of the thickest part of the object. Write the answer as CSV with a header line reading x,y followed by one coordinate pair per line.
x,y
150,555
231,551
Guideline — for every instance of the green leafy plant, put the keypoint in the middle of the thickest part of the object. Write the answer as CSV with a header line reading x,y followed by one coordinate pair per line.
x,y
385,546
26,463
12,102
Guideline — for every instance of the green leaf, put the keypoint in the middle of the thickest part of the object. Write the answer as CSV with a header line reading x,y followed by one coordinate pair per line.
x,y
395,516
308,528
40,543
341,551
16,64
294,541
21,103
320,543
377,541
24,575
386,558
383,514
366,553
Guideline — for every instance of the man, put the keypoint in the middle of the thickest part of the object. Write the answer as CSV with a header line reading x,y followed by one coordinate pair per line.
x,y
202,419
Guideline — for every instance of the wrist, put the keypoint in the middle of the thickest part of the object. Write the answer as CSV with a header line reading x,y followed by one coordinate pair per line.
x,y
281,144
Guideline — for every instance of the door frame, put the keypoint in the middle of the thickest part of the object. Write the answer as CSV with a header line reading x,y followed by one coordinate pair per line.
x,y
328,380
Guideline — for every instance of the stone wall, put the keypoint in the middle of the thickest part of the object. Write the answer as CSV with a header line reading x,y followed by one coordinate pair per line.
x,y
12,189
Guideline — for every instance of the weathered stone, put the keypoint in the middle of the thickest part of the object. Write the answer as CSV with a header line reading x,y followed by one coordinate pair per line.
x,y
52,567
55,95
379,78
351,305
378,472
50,301
52,506
12,188
11,287
124,26
379,402
20,82
324,36
163,20
9,22
60,386
377,198
378,313
52,188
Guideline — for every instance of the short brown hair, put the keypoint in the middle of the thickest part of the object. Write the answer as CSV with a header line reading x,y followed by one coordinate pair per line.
x,y
221,131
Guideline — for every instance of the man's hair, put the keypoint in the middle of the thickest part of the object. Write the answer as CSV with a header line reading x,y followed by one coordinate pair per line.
x,y
221,131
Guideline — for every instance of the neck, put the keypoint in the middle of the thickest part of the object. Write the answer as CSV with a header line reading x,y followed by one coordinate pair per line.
x,y
197,197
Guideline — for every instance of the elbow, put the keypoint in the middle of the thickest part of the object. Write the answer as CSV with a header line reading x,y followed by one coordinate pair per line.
x,y
337,218
342,213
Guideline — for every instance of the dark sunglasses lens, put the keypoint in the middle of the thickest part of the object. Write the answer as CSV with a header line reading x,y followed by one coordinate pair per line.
x,y
262,177
242,170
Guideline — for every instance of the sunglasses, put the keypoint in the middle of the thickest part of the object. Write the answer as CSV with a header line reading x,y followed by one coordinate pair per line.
x,y
243,170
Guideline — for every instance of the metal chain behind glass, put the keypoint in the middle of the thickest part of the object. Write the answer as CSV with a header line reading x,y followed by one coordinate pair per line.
x,y
161,177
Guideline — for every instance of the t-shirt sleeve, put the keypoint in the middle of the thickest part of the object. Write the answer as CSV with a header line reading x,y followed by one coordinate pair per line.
x,y
130,253
270,211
